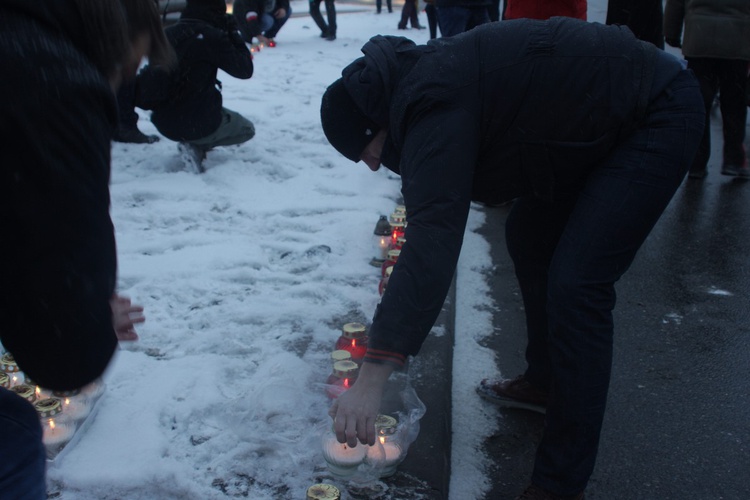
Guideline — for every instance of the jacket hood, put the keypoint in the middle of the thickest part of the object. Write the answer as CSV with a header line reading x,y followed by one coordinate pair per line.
x,y
371,80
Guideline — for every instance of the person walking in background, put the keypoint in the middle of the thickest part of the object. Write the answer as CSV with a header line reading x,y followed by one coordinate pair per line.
x,y
327,30
379,5
186,102
716,44
261,19
62,61
431,12
591,131
457,16
544,9
643,17
409,14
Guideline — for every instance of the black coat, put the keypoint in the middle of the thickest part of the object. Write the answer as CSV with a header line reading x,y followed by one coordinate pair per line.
x,y
470,122
192,109
59,259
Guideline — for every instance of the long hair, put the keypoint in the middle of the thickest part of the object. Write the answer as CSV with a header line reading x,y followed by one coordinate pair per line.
x,y
106,33
143,17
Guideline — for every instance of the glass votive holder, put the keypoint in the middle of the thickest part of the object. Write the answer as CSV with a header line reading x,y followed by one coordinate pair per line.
x,y
342,460
343,377
353,339
384,280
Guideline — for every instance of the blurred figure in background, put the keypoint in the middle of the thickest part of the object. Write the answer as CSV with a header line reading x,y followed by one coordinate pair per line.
x,y
63,61
327,31
643,17
457,16
716,45
186,102
261,19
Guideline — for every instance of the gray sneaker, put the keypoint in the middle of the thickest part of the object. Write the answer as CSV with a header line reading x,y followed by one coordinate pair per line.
x,y
514,393
192,156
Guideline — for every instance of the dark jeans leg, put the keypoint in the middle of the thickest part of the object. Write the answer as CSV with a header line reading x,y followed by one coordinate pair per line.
x,y
128,118
431,19
452,20
732,95
331,14
277,24
705,71
619,204
24,458
317,16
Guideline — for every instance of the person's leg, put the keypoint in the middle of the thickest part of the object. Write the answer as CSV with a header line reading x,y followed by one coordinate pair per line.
x,y
127,126
431,20
24,457
378,5
732,92
709,84
532,230
278,23
452,20
331,14
318,17
414,15
389,3
266,23
617,208
404,15
234,129
477,17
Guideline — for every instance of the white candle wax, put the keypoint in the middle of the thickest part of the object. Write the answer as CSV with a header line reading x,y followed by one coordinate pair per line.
x,y
342,459
392,453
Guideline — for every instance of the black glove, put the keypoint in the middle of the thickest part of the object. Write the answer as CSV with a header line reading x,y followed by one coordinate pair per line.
x,y
674,42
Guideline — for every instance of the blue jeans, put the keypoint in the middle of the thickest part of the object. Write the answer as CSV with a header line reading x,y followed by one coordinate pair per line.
x,y
22,454
456,20
568,254
270,25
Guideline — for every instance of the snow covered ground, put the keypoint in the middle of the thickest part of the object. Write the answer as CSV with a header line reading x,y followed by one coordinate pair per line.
x,y
247,274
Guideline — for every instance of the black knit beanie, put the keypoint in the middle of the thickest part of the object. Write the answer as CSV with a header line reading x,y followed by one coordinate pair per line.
x,y
346,127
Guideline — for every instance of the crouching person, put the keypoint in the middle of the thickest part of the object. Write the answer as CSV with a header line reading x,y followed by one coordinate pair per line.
x,y
186,100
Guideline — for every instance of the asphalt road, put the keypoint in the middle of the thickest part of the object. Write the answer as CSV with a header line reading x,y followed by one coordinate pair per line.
x,y
677,424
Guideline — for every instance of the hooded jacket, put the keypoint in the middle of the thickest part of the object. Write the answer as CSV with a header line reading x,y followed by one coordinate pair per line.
x,y
205,40
467,122
713,28
59,259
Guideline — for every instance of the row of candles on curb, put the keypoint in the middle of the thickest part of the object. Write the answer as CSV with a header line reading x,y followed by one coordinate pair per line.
x,y
387,453
61,413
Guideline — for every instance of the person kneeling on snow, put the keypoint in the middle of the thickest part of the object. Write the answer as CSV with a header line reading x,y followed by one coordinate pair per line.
x,y
186,101
261,19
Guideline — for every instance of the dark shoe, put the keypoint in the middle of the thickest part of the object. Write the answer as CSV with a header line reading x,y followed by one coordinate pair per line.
x,y
536,493
192,156
134,136
401,27
697,174
742,172
323,34
515,393
418,27
331,37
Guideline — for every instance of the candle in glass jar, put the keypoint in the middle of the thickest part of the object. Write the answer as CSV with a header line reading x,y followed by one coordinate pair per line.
x,y
323,492
8,365
56,435
398,230
343,377
353,339
27,392
384,280
393,256
75,409
392,458
341,458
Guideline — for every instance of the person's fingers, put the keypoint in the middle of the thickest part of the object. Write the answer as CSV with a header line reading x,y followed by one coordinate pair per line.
x,y
351,431
127,335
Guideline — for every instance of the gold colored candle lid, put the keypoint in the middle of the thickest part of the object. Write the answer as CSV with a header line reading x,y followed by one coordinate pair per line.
x,y
8,363
345,369
396,217
400,209
385,425
397,224
323,492
27,392
48,407
4,380
354,330
340,355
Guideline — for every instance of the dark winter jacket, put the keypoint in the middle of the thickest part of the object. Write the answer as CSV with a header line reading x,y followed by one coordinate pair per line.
x,y
713,28
469,4
248,13
187,103
645,18
544,9
59,259
468,122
